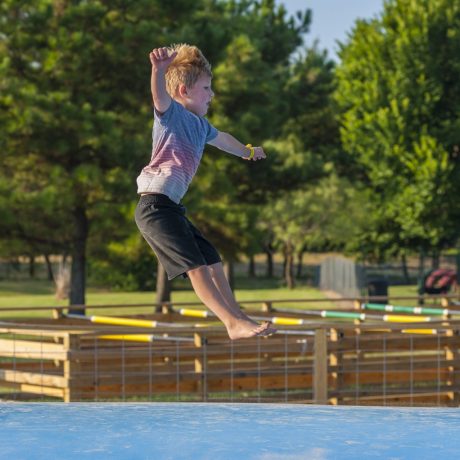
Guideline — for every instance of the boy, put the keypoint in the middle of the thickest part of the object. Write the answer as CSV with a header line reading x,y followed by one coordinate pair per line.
x,y
181,91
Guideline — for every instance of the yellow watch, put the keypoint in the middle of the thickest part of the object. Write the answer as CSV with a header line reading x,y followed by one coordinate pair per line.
x,y
251,148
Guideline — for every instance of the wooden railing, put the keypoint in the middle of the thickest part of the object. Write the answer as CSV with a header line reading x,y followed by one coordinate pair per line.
x,y
335,362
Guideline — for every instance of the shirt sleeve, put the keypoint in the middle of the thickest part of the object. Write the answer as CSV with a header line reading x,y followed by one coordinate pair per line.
x,y
163,118
212,132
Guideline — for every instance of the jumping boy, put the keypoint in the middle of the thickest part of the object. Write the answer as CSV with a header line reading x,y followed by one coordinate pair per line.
x,y
181,91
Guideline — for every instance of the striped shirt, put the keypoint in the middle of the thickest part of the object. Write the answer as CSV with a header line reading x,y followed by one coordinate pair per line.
x,y
178,140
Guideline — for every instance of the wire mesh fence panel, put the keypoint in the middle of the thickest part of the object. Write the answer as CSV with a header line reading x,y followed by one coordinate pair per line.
x,y
361,365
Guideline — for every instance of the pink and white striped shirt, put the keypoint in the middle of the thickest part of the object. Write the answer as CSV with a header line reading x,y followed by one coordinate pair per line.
x,y
178,140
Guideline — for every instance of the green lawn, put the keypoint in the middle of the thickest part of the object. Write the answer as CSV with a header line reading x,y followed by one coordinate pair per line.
x,y
39,293
33,293
404,291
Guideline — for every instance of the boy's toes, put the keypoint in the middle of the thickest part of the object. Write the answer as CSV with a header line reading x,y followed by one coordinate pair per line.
x,y
267,332
264,329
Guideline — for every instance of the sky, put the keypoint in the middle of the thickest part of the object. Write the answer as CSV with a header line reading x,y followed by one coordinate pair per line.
x,y
333,19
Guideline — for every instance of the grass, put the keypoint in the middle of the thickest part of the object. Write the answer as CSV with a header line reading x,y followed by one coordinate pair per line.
x,y
402,291
40,293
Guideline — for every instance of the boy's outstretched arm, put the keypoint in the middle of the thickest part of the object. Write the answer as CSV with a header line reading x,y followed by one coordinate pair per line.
x,y
160,60
228,143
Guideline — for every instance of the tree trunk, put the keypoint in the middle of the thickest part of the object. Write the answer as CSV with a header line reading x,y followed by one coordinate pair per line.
x,y
229,270
457,260
421,276
405,269
31,267
78,270
284,264
269,254
49,268
289,266
252,267
163,287
299,264
421,265
435,260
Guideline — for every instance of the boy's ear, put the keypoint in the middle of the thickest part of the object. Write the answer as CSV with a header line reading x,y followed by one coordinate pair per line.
x,y
182,90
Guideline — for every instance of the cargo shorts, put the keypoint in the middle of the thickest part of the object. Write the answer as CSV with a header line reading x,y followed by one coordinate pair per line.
x,y
177,243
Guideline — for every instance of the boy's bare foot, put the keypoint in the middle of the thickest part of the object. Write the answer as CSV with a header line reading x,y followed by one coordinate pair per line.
x,y
267,331
242,329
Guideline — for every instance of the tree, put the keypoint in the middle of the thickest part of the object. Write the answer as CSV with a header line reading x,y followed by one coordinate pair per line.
x,y
76,106
399,95
74,103
250,73
325,215
302,159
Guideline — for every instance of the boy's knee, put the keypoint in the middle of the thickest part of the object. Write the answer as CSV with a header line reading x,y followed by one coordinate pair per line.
x,y
198,271
215,268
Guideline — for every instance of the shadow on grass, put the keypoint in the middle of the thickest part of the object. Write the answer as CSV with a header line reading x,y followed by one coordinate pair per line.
x,y
27,286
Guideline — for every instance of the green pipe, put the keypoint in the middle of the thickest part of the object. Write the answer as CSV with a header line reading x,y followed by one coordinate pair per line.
x,y
342,314
402,309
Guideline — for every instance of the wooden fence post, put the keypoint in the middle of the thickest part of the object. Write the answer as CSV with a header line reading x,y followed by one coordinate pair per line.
x,y
320,367
71,367
335,359
200,365
57,313
166,308
267,306
452,355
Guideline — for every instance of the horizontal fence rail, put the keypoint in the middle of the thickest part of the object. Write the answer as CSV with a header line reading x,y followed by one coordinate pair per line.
x,y
265,305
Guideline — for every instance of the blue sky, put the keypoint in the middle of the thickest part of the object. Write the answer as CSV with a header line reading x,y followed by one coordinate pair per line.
x,y
333,19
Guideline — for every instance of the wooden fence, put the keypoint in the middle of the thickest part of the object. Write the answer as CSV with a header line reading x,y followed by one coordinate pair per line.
x,y
318,361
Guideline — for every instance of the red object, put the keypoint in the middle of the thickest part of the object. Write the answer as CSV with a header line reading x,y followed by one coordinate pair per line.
x,y
439,281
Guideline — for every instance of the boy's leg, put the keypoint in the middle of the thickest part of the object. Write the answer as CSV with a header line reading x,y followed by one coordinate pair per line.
x,y
223,286
237,327
221,282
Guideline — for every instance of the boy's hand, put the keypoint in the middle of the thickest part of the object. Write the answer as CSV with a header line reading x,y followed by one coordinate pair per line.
x,y
259,154
161,59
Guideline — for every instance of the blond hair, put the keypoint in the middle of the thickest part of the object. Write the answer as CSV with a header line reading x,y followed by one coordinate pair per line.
x,y
187,67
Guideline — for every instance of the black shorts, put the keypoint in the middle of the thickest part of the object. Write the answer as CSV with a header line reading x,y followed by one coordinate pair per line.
x,y
177,243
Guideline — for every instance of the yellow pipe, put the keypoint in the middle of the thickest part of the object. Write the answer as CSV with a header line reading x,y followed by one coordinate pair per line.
x,y
287,321
130,337
419,331
123,321
194,313
405,318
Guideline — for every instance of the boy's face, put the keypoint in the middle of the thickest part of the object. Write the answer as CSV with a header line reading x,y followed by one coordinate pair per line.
x,y
199,96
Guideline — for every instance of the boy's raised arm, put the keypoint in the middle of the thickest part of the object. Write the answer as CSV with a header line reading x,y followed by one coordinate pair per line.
x,y
160,60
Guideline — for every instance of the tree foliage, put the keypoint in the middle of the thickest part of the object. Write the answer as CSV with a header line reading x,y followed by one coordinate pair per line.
x,y
399,94
76,119
74,103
